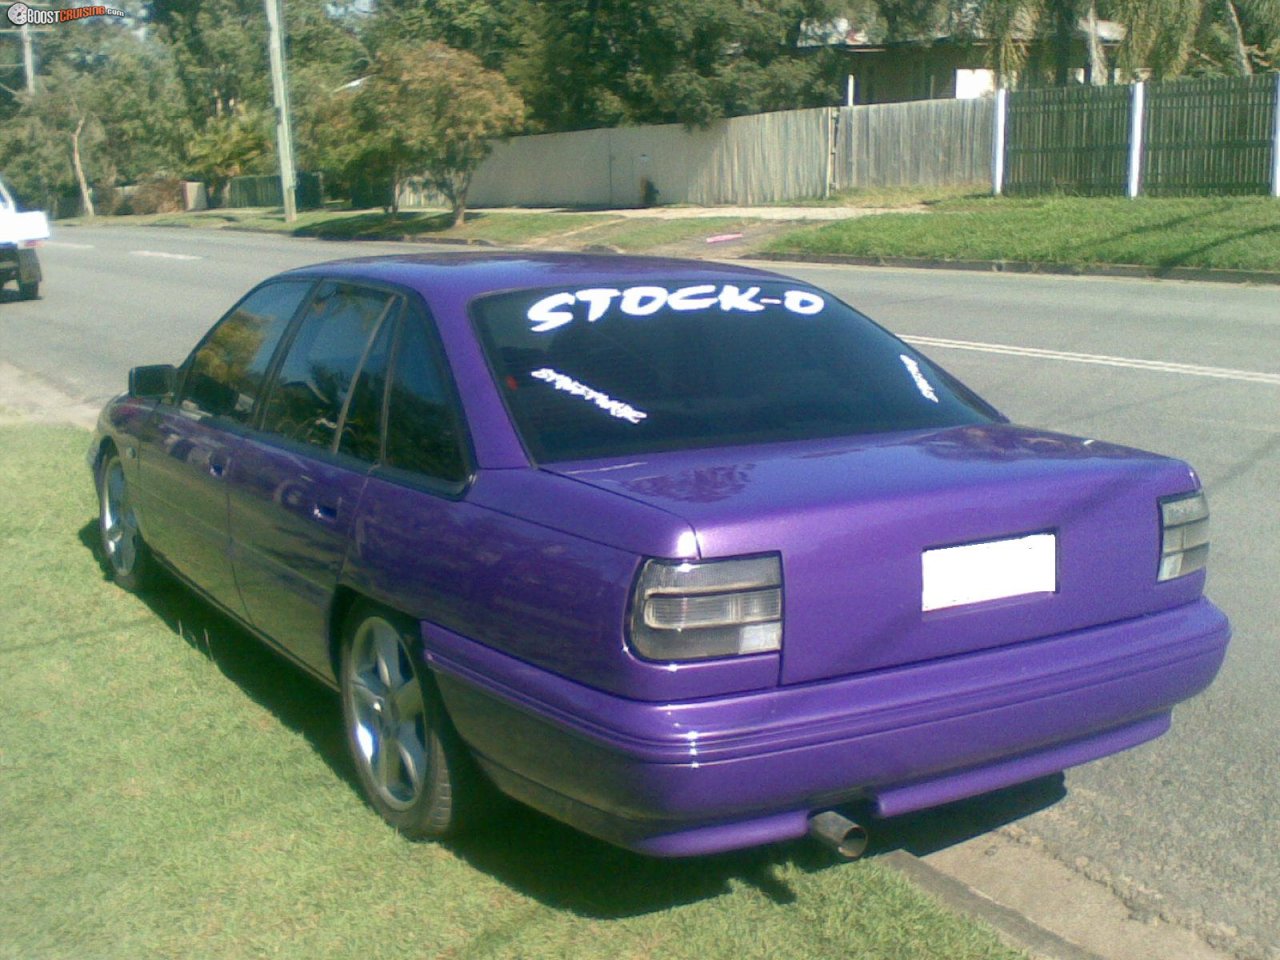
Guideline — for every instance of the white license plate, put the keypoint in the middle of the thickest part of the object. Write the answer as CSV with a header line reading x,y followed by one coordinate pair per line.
x,y
994,570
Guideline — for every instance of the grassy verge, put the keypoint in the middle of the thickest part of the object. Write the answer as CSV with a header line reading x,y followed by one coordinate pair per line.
x,y
533,228
889,198
633,234
1239,233
167,788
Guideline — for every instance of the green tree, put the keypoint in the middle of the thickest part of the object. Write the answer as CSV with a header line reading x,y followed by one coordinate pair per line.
x,y
492,30
590,63
917,19
34,157
1160,36
105,110
1010,24
231,145
220,50
1238,37
426,110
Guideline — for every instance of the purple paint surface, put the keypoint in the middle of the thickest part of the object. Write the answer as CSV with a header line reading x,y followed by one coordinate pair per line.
x,y
525,578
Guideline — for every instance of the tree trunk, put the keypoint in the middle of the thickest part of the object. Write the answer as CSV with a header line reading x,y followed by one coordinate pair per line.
x,y
458,196
1237,38
1098,73
86,197
1064,25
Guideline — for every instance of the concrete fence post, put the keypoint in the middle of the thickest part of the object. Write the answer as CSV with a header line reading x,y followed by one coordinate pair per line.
x,y
997,142
1135,138
1275,143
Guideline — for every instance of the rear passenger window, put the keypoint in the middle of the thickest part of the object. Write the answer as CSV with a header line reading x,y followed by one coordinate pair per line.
x,y
362,426
334,338
227,369
422,431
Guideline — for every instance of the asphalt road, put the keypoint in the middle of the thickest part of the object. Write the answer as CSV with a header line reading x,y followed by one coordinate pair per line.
x,y
1184,826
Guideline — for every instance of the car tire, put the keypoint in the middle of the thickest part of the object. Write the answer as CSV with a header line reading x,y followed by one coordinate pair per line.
x,y
126,552
29,291
414,769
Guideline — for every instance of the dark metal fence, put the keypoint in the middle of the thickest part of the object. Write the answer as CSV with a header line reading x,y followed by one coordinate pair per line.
x,y
1180,138
264,191
1069,139
1209,136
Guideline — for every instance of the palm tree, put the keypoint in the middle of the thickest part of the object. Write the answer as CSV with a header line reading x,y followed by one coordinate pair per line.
x,y
1262,15
1010,23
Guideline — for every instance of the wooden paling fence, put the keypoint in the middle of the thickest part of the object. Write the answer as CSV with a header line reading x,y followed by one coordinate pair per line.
x,y
1177,138
1180,138
921,143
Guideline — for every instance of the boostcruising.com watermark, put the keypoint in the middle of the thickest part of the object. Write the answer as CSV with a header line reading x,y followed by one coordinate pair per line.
x,y
21,15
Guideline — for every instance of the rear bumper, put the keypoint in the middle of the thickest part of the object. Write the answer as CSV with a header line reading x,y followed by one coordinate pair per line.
x,y
696,777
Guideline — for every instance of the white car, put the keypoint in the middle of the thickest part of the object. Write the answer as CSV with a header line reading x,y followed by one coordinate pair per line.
x,y
20,233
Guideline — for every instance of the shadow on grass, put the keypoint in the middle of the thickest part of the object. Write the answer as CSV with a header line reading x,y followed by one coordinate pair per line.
x,y
1170,225
1194,255
533,854
380,226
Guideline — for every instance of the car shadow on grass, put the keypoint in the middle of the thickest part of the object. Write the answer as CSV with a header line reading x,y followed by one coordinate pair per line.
x,y
559,866
540,857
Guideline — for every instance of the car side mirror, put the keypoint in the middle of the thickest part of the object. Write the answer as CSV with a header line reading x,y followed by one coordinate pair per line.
x,y
153,381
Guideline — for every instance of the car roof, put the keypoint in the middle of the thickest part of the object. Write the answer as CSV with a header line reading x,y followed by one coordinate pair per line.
x,y
470,275
448,282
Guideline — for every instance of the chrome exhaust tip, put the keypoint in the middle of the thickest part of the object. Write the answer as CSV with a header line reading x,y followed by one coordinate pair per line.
x,y
838,832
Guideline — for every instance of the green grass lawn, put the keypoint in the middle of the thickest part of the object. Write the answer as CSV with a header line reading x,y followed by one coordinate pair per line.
x,y
502,228
637,234
170,789
891,197
1228,233
1233,233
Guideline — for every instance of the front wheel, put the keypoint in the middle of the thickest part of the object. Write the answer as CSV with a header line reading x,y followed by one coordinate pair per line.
x,y
414,769
29,291
127,555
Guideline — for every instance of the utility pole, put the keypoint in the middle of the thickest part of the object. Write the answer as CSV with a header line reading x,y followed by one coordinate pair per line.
x,y
23,34
280,91
28,59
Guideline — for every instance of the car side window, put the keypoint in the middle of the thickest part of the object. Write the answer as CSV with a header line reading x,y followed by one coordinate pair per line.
x,y
362,424
226,371
333,340
423,435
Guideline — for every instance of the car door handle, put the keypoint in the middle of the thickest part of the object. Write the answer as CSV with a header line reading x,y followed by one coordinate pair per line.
x,y
324,513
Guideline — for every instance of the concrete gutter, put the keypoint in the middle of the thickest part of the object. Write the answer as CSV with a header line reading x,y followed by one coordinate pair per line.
x,y
1008,880
1013,928
1200,274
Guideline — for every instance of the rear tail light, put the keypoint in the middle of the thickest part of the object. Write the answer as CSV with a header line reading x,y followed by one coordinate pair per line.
x,y
1184,540
720,608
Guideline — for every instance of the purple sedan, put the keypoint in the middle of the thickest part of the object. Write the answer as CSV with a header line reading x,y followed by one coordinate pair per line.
x,y
684,555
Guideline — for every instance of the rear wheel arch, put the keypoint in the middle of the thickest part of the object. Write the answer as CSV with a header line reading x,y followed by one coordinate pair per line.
x,y
344,600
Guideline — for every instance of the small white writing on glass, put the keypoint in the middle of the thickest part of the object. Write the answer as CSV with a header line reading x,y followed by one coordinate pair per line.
x,y
615,408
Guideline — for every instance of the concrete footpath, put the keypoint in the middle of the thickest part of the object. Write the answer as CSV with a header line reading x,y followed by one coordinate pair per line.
x,y
1050,909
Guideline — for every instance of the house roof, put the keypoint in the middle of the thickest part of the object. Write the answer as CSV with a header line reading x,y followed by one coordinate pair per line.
x,y
840,34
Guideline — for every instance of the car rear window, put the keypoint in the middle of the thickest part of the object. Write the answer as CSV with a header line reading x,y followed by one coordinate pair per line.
x,y
624,369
